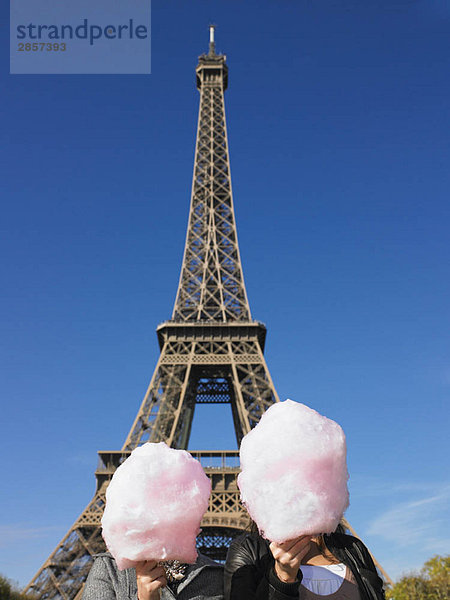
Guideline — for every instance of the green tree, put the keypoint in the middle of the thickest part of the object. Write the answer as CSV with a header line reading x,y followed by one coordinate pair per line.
x,y
5,588
9,592
432,583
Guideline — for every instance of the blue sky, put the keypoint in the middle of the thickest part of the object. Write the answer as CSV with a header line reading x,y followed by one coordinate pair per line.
x,y
338,119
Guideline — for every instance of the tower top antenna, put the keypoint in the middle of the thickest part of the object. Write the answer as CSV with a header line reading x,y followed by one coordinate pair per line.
x,y
212,44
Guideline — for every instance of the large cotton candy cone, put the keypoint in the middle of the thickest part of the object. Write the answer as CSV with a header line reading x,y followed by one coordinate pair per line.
x,y
154,505
294,474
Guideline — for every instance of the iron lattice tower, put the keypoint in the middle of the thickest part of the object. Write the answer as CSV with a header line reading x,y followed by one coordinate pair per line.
x,y
211,352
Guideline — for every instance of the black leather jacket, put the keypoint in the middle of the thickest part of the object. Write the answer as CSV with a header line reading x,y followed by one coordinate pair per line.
x,y
249,573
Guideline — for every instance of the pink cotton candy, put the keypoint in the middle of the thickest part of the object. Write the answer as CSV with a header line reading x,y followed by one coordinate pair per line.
x,y
154,505
294,472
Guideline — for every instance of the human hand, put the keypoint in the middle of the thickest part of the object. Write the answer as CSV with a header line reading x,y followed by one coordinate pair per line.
x,y
151,577
288,557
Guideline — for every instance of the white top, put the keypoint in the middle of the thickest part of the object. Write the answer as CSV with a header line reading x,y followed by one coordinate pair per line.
x,y
324,579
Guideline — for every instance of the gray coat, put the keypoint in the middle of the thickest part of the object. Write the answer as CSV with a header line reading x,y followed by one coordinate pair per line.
x,y
203,581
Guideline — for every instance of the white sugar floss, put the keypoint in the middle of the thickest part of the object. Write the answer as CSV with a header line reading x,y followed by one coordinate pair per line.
x,y
294,473
154,505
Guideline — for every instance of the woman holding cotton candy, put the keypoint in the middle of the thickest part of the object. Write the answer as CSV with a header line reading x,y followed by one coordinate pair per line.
x,y
294,485
149,580
154,505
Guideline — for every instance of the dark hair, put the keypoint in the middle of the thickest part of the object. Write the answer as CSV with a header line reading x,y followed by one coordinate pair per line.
x,y
252,527
320,542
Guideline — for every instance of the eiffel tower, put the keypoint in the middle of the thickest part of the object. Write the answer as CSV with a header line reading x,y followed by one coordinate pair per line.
x,y
211,352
